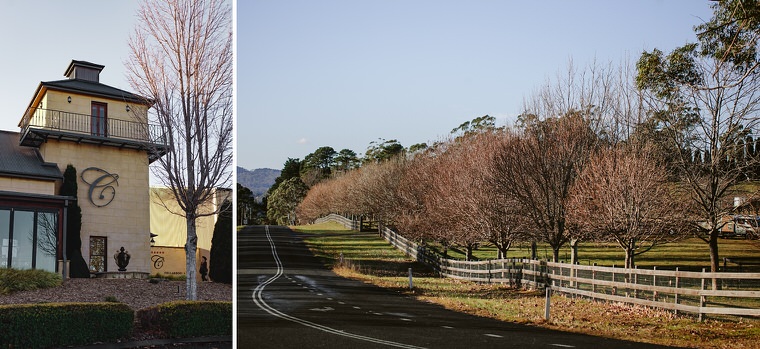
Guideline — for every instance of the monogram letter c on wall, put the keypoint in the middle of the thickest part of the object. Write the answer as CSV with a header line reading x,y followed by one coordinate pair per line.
x,y
102,190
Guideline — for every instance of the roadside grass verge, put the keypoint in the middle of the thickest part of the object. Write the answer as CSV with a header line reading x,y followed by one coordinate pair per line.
x,y
367,257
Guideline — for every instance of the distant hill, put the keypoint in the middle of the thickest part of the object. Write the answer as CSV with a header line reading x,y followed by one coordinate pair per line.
x,y
258,180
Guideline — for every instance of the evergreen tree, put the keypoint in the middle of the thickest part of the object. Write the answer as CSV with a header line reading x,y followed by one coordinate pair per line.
x,y
291,169
77,266
220,269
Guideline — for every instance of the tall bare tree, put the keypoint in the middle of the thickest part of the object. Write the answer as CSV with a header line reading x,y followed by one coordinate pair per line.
x,y
181,59
623,196
537,171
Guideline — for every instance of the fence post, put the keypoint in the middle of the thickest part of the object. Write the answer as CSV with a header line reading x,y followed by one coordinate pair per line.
x,y
548,303
635,272
654,283
411,283
593,280
489,271
574,272
676,295
701,297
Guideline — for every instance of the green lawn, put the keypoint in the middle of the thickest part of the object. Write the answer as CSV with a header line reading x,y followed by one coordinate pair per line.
x,y
689,254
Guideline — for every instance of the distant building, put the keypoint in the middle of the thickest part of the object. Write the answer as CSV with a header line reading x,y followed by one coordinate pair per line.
x,y
104,133
169,229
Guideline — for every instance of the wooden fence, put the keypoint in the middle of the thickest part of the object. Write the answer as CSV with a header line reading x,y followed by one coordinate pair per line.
x,y
681,291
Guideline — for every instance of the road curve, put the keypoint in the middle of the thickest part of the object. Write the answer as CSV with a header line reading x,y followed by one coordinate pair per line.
x,y
287,298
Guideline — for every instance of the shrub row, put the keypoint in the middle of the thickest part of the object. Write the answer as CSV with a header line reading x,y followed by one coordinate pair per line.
x,y
14,280
188,318
55,324
65,324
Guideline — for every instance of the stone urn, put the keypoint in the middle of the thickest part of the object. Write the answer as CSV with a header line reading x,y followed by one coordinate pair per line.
x,y
122,259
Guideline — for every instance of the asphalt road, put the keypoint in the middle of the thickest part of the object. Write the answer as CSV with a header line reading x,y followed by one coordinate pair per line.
x,y
288,299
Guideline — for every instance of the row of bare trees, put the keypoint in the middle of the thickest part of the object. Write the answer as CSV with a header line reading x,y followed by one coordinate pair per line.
x,y
570,170
508,185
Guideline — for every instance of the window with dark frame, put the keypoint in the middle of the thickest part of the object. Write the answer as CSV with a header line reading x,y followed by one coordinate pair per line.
x,y
28,238
99,119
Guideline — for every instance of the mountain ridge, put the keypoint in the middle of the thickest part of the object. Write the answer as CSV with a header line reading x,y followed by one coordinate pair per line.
x,y
257,180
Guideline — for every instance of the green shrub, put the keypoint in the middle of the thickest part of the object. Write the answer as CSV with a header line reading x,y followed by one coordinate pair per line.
x,y
188,318
221,252
61,324
169,277
77,266
14,280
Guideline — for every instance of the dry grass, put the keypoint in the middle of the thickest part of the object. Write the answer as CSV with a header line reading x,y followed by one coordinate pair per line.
x,y
613,320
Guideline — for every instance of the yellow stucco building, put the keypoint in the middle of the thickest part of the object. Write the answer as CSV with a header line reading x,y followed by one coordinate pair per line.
x,y
170,230
104,133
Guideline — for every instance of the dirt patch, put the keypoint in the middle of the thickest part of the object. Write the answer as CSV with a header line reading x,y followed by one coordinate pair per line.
x,y
137,293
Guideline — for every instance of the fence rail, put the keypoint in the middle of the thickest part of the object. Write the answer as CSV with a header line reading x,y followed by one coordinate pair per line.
x,y
681,291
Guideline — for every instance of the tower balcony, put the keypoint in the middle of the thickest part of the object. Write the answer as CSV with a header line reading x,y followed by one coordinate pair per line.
x,y
39,125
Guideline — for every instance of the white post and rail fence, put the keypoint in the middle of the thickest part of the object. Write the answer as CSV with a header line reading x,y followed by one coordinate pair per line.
x,y
679,291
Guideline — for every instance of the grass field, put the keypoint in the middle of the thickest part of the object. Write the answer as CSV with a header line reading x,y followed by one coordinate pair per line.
x,y
369,258
689,254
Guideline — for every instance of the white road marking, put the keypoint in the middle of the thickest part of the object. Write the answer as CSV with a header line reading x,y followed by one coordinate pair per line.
x,y
258,299
322,309
562,345
493,335
447,327
404,319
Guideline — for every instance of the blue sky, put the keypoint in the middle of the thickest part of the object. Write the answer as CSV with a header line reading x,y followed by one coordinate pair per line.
x,y
40,38
345,73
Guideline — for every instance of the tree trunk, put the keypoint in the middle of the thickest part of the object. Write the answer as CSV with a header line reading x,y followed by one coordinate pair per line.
x,y
190,249
533,250
555,254
714,258
469,252
502,252
629,262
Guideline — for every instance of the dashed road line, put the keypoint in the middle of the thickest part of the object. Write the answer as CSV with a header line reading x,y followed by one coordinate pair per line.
x,y
258,299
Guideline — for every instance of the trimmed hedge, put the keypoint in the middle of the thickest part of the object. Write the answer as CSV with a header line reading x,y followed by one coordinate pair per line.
x,y
59,324
188,318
